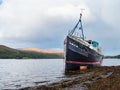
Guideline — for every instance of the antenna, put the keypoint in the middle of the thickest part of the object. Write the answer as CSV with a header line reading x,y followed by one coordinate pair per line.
x,y
81,13
82,10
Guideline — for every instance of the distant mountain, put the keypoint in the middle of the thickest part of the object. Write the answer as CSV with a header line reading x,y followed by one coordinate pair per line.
x,y
7,49
42,51
7,52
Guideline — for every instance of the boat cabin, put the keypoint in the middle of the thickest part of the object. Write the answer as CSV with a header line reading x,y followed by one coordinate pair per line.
x,y
93,43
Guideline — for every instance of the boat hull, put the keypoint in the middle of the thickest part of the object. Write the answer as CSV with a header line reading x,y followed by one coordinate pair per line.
x,y
78,54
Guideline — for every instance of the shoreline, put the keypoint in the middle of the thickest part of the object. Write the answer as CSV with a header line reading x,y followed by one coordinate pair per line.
x,y
98,78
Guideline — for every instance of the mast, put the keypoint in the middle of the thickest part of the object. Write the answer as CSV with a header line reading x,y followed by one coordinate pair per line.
x,y
80,27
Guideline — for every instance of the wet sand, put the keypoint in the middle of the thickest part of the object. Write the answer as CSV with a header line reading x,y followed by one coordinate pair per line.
x,y
98,78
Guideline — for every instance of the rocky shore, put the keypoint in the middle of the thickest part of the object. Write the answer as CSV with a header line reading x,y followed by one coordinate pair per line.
x,y
98,78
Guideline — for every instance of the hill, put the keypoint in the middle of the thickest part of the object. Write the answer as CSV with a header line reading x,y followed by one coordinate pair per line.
x,y
117,57
7,52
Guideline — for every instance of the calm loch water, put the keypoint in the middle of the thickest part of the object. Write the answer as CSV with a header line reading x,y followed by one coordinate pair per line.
x,y
15,74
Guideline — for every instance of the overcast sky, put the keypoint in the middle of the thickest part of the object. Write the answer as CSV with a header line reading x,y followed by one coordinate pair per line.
x,y
44,23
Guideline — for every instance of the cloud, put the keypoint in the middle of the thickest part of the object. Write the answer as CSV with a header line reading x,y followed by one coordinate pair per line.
x,y
18,19
31,20
45,23
110,12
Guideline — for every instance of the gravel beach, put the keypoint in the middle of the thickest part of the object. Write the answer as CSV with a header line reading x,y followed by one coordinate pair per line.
x,y
98,78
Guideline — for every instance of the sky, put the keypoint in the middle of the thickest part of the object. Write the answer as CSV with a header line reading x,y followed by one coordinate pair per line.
x,y
45,23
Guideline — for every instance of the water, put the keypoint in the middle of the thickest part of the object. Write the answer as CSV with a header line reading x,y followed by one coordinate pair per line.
x,y
111,62
23,73
15,74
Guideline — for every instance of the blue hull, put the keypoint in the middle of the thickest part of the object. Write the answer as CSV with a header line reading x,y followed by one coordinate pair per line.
x,y
77,54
